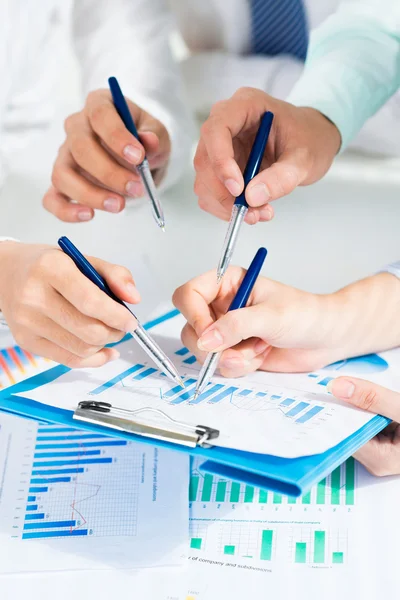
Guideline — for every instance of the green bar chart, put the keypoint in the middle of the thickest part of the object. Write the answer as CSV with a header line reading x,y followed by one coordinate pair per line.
x,y
337,489
319,547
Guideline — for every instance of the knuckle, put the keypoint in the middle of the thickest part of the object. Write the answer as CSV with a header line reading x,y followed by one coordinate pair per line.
x,y
245,93
90,304
120,272
70,122
203,203
79,149
199,161
58,176
98,111
218,108
72,361
367,399
234,324
22,338
97,335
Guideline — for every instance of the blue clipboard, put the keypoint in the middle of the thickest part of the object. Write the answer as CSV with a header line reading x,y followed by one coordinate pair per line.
x,y
289,476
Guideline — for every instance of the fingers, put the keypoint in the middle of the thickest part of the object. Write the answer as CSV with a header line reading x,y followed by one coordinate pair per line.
x,y
89,155
279,179
108,125
86,297
70,320
194,298
119,279
367,396
62,208
244,358
238,325
216,135
381,455
43,347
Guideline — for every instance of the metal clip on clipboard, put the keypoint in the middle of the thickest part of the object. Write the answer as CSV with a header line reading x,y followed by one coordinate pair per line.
x,y
103,413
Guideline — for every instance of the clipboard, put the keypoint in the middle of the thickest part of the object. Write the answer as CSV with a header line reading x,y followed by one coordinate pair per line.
x,y
289,476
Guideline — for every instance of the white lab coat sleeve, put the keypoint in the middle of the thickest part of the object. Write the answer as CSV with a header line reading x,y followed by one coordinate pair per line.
x,y
130,39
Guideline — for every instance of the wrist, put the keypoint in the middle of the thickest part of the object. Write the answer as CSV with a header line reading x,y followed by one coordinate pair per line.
x,y
369,314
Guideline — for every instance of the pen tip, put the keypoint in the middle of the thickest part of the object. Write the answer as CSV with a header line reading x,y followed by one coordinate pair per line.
x,y
219,278
163,228
180,381
196,395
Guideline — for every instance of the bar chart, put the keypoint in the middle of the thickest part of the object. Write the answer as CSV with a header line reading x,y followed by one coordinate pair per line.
x,y
338,489
315,546
73,481
245,540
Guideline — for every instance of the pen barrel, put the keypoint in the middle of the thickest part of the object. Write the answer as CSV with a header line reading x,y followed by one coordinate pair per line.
x,y
237,218
207,371
250,278
256,154
151,192
153,350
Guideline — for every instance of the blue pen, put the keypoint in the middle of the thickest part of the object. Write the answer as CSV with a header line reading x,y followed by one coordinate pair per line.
x,y
139,334
144,167
240,300
241,207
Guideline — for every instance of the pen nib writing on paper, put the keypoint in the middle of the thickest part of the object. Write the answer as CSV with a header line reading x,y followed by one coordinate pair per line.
x,y
241,207
240,300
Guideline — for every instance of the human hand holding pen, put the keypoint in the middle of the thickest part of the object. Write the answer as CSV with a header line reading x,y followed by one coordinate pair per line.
x,y
285,329
300,150
95,167
55,311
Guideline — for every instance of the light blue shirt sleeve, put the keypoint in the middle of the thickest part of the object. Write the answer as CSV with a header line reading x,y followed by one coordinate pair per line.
x,y
353,64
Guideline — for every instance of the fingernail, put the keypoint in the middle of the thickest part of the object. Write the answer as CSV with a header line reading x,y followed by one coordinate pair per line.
x,y
251,218
343,388
233,187
258,194
132,154
260,346
134,189
266,213
132,291
112,205
85,215
232,362
210,340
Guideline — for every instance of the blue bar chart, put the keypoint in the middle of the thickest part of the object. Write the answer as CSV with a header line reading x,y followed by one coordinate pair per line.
x,y
73,481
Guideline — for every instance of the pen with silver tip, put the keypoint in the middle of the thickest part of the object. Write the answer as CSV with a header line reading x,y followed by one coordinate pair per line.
x,y
144,168
149,345
240,300
240,206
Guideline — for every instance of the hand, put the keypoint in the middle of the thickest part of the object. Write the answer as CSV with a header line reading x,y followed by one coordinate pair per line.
x,y
95,165
381,455
300,150
282,329
55,311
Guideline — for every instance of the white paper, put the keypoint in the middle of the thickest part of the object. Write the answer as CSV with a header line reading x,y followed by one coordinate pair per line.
x,y
97,502
263,413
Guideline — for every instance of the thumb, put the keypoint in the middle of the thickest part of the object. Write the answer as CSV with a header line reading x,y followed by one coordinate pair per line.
x,y
234,327
367,396
119,279
279,179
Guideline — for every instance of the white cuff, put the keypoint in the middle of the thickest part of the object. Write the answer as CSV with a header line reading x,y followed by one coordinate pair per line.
x,y
393,268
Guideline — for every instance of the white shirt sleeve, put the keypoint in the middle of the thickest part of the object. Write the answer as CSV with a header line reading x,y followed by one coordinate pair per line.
x,y
130,39
393,268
